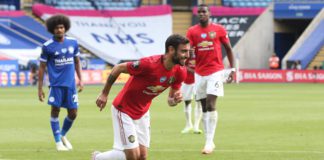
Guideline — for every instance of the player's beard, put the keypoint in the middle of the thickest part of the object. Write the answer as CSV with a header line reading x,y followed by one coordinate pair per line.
x,y
176,59
203,21
59,37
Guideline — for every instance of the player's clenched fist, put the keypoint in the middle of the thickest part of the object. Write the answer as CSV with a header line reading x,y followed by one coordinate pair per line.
x,y
175,99
101,101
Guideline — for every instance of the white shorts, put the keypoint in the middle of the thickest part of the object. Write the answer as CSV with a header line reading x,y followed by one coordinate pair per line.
x,y
187,91
211,84
129,133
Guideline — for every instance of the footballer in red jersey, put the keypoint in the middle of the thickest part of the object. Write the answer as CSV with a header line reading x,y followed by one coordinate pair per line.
x,y
149,77
206,38
188,93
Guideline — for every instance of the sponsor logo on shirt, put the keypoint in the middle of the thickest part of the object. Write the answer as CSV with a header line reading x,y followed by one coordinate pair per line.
x,y
154,90
205,45
63,61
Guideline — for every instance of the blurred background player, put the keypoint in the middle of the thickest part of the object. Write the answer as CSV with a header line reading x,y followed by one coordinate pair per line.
x,y
274,61
150,76
187,90
33,74
61,57
207,38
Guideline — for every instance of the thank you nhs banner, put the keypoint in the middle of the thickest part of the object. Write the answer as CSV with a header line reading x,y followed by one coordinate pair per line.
x,y
117,36
122,38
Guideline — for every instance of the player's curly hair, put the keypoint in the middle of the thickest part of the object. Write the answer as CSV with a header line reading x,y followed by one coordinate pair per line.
x,y
175,40
58,19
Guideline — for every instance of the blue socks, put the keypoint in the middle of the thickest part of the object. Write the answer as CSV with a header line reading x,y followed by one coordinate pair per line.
x,y
66,126
55,124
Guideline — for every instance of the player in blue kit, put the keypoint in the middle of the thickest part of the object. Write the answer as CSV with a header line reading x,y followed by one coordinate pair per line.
x,y
61,57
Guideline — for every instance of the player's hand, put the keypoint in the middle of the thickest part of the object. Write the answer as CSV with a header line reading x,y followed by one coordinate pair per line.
x,y
101,101
178,97
175,99
80,86
230,77
41,95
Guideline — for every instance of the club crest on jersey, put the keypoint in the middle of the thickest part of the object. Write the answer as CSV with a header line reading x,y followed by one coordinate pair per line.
x,y
203,35
71,50
63,50
171,80
212,35
131,138
163,79
135,64
56,53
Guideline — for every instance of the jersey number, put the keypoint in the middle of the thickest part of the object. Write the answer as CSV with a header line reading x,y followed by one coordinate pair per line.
x,y
75,98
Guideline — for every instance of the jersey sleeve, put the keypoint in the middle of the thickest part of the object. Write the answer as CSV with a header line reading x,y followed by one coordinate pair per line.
x,y
180,77
223,35
44,55
76,49
189,36
139,67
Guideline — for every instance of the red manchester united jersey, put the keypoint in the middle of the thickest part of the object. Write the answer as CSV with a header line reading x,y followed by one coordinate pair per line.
x,y
191,62
207,42
148,79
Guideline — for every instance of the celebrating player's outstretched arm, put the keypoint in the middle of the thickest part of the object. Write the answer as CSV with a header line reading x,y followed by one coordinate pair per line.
x,y
103,96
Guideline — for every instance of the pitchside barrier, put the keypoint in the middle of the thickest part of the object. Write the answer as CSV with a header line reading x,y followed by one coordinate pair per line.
x,y
21,78
281,76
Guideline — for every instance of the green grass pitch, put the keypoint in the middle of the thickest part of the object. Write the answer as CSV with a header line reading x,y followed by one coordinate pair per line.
x,y
256,122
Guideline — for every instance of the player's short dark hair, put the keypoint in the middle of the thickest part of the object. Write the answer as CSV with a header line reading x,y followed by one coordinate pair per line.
x,y
175,40
203,5
58,19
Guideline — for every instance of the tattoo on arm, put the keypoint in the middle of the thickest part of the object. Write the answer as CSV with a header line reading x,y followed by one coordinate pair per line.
x,y
111,79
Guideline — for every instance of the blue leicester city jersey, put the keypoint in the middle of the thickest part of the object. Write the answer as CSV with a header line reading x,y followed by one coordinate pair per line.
x,y
59,57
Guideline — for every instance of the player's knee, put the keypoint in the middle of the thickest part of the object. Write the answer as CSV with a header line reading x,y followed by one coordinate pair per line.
x,y
132,157
143,157
55,111
72,116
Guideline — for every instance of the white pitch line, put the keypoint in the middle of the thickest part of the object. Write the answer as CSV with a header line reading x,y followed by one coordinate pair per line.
x,y
179,150
244,151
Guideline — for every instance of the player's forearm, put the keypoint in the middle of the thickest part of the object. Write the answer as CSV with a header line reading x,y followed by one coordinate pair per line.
x,y
114,74
231,58
110,81
40,77
78,68
230,54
